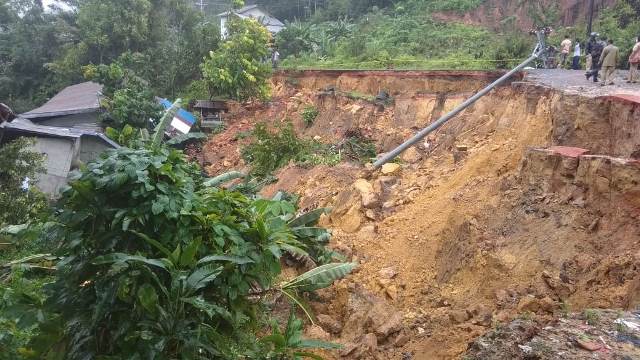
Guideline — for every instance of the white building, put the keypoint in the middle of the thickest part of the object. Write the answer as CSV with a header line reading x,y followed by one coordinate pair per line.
x,y
252,11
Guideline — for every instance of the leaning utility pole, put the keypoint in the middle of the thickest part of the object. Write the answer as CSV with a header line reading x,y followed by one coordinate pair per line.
x,y
589,27
540,51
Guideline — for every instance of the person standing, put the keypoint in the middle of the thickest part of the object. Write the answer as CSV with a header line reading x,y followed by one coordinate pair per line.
x,y
565,48
634,61
596,54
577,52
593,39
275,58
608,61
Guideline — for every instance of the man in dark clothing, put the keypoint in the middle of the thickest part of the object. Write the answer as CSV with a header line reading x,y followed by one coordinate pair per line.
x,y
596,52
593,39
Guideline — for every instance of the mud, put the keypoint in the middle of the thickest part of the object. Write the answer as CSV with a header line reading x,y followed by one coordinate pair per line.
x,y
525,203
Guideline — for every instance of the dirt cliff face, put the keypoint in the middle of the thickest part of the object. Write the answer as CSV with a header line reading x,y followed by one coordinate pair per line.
x,y
527,203
493,12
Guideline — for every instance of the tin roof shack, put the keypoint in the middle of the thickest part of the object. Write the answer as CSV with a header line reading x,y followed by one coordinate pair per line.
x,y
64,149
76,106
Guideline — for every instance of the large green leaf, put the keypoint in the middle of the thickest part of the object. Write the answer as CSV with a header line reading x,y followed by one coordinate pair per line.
x,y
148,297
320,277
179,139
120,257
240,260
201,277
310,218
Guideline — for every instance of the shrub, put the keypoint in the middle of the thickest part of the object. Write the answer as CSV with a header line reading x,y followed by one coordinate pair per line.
x,y
158,266
18,162
270,151
309,114
126,98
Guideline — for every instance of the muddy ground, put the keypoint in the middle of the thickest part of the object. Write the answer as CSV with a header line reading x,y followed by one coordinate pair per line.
x,y
526,205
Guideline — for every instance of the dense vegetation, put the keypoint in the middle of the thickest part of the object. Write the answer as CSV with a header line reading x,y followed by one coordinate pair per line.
x,y
164,42
156,264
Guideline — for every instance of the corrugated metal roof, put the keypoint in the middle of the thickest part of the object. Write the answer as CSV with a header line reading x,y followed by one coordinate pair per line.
x,y
267,19
74,99
22,125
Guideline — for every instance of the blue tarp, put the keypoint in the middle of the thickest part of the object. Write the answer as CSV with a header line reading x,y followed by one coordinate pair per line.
x,y
182,114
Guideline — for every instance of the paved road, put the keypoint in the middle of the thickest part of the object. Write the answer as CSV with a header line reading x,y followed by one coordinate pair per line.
x,y
574,81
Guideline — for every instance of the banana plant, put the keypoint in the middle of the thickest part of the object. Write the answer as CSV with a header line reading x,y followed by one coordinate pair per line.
x,y
290,342
318,278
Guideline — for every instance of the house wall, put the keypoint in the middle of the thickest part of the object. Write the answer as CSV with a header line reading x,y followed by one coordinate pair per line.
x,y
59,154
87,121
91,147
223,26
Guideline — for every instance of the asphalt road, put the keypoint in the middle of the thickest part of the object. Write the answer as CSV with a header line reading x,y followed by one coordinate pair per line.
x,y
575,81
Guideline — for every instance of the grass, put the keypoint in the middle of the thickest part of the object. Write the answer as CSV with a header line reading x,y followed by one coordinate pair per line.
x,y
591,316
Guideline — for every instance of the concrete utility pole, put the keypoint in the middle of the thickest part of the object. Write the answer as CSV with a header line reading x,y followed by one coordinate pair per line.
x,y
540,51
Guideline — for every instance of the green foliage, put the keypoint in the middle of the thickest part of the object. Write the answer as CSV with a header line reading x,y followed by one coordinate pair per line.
x,y
309,114
187,138
271,150
236,70
290,344
128,136
622,24
19,296
29,39
127,99
17,162
158,266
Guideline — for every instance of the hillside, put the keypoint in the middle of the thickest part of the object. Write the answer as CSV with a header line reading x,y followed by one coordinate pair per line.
x,y
493,13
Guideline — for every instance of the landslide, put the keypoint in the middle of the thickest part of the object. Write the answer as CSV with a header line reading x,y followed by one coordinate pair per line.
x,y
491,13
477,225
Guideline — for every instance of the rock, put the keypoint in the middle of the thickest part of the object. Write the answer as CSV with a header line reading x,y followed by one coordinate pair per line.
x,y
461,147
388,273
363,348
370,201
411,155
317,138
391,325
363,186
458,316
391,169
329,323
588,345
351,221
388,205
370,214
401,340
226,163
318,333
530,303
392,292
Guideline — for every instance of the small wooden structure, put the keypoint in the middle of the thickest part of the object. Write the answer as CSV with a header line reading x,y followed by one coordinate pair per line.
x,y
211,112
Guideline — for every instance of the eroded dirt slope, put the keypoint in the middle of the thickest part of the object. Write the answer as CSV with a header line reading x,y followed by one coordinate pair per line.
x,y
525,204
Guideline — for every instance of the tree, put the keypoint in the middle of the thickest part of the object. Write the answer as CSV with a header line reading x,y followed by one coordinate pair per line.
x,y
238,69
18,162
127,99
29,39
